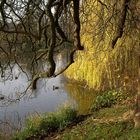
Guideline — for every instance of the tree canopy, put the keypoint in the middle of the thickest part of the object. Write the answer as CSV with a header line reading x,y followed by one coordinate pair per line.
x,y
40,23
45,26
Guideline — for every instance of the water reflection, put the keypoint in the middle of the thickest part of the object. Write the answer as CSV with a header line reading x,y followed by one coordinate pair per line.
x,y
44,99
82,96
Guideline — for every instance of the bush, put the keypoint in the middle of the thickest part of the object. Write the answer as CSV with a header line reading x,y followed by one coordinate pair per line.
x,y
47,123
107,99
66,116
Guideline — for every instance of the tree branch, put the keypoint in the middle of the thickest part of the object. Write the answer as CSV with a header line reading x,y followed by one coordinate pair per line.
x,y
77,42
121,24
67,66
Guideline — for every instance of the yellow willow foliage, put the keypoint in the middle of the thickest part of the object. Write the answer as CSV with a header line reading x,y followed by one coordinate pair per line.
x,y
99,65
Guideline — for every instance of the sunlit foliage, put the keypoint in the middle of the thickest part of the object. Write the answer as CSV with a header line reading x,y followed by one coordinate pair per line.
x,y
99,65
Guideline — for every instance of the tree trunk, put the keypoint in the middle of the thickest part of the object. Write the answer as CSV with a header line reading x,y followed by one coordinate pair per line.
x,y
137,109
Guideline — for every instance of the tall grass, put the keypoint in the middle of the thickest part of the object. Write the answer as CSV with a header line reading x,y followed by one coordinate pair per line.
x,y
47,123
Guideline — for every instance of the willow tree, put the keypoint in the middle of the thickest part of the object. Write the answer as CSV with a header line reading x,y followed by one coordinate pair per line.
x,y
110,33
40,22
44,22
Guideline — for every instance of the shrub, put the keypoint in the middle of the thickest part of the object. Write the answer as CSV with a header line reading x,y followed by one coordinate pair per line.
x,y
66,116
107,99
49,123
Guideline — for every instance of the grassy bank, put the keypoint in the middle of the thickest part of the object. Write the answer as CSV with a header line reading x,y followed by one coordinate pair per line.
x,y
38,127
109,127
110,118
112,123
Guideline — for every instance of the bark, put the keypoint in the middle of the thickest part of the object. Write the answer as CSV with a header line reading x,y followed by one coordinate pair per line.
x,y
77,42
54,25
51,61
121,24
50,52
57,15
2,12
34,84
71,61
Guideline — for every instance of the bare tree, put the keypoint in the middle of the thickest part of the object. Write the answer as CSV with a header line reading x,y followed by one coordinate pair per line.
x,y
39,22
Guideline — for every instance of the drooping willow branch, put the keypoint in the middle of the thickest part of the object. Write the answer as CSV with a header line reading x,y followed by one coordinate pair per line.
x,y
68,64
55,26
77,42
2,12
51,48
46,74
121,24
38,22
57,15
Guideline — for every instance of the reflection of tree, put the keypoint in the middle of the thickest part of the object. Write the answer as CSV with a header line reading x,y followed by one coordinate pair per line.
x,y
83,97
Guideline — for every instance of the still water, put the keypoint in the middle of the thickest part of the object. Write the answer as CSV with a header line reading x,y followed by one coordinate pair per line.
x,y
44,99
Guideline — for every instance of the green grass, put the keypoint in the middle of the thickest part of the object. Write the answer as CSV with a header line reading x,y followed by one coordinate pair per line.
x,y
47,123
122,130
112,112
107,122
103,125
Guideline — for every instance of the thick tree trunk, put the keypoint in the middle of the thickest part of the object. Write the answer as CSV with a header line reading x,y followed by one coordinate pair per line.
x,y
55,26
137,109
77,41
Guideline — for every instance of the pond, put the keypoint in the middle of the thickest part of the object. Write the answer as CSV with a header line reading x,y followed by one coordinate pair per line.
x,y
49,96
